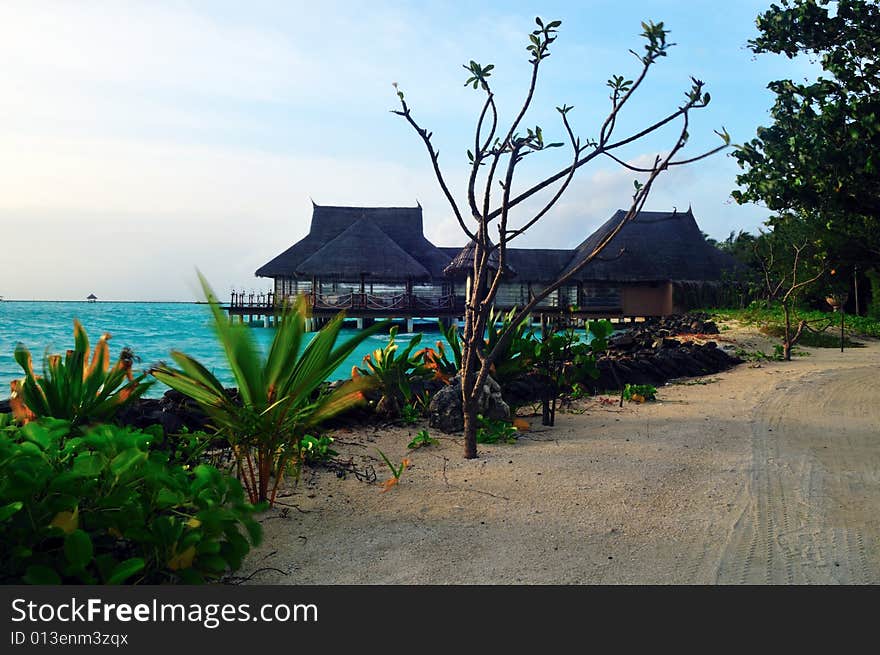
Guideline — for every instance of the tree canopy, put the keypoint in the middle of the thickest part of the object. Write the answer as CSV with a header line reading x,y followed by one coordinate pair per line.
x,y
817,164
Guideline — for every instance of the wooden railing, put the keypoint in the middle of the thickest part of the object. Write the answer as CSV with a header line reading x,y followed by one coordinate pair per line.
x,y
367,301
242,300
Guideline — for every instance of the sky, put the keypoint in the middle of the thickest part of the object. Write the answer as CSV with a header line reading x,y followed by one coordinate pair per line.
x,y
140,141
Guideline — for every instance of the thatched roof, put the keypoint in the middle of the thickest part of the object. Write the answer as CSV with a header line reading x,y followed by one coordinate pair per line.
x,y
388,243
463,262
402,225
657,247
362,249
538,264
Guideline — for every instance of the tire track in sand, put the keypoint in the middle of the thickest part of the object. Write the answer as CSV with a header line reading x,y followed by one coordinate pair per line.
x,y
811,507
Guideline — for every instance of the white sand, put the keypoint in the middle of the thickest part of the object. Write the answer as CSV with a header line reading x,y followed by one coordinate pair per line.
x,y
765,474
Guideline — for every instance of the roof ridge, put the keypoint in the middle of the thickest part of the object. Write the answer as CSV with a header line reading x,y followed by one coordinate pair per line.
x,y
366,222
366,208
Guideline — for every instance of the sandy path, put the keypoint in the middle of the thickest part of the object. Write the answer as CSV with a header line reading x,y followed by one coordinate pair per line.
x,y
761,475
811,510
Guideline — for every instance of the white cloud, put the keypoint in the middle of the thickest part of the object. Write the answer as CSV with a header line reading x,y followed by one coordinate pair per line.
x,y
127,154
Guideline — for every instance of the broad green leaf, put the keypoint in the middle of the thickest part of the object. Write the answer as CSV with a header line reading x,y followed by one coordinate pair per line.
x,y
67,521
37,574
125,460
78,548
89,464
124,570
8,510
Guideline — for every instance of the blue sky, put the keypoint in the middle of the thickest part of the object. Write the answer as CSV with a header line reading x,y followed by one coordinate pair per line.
x,y
139,141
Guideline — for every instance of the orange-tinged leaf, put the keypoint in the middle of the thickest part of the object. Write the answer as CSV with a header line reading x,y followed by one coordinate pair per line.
x,y
20,411
182,560
101,356
124,393
67,521
388,484
194,522
114,532
522,425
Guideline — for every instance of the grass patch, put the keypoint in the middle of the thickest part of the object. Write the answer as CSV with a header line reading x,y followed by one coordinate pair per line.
x,y
771,321
827,339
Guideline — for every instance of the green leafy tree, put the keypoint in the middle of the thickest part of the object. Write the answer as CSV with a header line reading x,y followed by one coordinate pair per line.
x,y
493,157
817,164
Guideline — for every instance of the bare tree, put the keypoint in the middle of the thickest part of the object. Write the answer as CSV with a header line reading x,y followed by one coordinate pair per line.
x,y
500,151
781,280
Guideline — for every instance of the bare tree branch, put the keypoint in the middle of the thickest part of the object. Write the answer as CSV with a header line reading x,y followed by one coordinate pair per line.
x,y
576,148
434,155
600,149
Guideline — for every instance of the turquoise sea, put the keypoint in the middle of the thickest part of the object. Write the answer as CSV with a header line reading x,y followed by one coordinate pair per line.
x,y
151,330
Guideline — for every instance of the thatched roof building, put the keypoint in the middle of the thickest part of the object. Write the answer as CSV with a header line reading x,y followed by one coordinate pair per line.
x,y
368,230
653,247
377,258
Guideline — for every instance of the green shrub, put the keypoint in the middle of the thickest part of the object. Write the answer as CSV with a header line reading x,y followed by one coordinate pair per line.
x,y
282,398
564,360
99,506
492,431
444,365
423,438
639,391
771,318
75,388
518,357
410,414
316,449
394,370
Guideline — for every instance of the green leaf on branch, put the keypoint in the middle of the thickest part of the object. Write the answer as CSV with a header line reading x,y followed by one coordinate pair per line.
x,y
125,570
78,548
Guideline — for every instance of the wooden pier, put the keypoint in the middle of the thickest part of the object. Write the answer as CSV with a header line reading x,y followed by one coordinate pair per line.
x,y
260,309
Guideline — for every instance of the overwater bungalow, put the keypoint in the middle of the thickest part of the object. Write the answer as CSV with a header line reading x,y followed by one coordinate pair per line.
x,y
376,261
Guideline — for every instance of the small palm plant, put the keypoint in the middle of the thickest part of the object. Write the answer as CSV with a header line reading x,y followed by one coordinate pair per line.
x,y
444,365
75,387
394,371
280,397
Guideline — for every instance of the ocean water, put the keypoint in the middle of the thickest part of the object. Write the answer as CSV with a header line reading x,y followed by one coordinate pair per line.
x,y
151,330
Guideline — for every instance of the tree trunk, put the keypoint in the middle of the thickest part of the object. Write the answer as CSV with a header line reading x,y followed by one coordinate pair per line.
x,y
469,410
786,344
545,410
469,406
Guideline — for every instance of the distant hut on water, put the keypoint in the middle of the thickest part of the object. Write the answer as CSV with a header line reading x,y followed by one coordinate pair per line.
x,y
92,297
376,260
